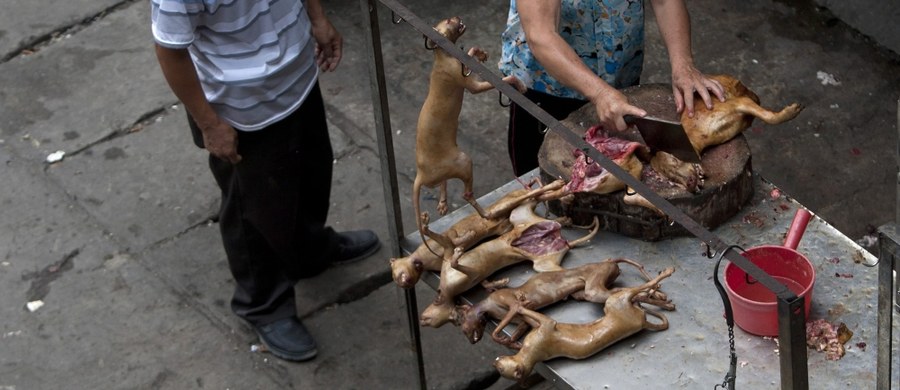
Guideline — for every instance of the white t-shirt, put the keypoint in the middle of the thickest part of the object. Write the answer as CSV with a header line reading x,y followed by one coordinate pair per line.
x,y
255,58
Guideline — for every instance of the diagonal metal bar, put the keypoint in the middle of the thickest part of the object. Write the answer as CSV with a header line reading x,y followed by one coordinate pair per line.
x,y
792,358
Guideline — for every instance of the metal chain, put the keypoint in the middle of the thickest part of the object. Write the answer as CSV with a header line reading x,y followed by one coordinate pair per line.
x,y
731,375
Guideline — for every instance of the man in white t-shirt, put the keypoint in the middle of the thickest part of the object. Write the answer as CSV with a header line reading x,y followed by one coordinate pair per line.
x,y
247,73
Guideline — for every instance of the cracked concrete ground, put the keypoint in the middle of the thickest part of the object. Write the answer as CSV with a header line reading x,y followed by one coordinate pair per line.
x,y
119,242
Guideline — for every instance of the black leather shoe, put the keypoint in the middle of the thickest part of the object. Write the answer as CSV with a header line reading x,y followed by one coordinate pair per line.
x,y
355,245
287,339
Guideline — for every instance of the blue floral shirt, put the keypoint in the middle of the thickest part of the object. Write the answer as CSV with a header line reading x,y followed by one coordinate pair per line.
x,y
608,35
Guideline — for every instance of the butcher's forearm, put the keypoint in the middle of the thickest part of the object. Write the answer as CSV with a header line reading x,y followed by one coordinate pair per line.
x,y
565,66
675,27
180,74
540,22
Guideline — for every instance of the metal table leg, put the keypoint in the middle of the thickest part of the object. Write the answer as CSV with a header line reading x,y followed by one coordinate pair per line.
x,y
389,169
889,244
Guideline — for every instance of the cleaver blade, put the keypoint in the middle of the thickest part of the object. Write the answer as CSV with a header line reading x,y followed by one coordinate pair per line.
x,y
665,135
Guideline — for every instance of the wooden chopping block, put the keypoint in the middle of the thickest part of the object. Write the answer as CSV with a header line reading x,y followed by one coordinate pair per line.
x,y
728,184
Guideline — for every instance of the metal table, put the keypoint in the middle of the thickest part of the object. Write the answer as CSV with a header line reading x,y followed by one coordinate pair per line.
x,y
693,352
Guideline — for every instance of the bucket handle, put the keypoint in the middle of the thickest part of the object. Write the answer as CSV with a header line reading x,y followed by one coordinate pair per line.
x,y
798,227
794,234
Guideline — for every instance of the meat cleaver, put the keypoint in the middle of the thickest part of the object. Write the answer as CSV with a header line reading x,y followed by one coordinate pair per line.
x,y
665,135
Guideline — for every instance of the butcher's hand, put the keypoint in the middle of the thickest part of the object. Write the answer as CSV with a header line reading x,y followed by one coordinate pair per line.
x,y
220,139
686,80
515,82
329,44
612,106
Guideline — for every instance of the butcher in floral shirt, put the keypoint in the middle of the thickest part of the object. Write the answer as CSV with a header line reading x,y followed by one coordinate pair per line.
x,y
571,52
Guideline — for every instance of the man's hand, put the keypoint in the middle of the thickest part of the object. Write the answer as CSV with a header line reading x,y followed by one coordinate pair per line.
x,y
675,26
515,82
612,105
329,44
685,81
220,140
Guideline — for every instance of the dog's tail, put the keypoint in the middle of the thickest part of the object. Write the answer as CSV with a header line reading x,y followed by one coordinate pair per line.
x,y
595,227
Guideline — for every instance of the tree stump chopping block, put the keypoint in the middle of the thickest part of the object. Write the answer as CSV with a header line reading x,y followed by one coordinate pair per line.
x,y
727,185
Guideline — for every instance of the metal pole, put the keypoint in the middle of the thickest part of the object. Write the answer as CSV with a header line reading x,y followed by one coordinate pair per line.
x,y
792,355
888,291
389,169
889,244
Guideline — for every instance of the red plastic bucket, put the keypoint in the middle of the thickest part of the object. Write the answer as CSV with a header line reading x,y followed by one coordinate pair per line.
x,y
755,307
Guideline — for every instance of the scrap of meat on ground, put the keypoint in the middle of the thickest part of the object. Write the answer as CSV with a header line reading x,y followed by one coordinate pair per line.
x,y
830,338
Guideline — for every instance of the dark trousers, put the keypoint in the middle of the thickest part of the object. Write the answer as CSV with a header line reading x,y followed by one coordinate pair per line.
x,y
273,211
526,133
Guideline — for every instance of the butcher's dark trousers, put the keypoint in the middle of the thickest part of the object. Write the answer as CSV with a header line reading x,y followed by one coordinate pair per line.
x,y
273,211
526,133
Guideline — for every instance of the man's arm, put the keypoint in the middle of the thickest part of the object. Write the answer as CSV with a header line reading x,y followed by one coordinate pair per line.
x,y
675,28
540,20
219,138
329,42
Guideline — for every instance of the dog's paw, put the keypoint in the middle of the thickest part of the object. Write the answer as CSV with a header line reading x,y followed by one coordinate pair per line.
x,y
478,53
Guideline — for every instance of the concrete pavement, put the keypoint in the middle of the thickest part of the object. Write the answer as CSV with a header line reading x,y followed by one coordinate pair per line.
x,y
117,239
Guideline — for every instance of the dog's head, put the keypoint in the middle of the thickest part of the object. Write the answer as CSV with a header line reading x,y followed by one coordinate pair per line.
x,y
406,270
451,28
685,173
510,367
471,322
437,314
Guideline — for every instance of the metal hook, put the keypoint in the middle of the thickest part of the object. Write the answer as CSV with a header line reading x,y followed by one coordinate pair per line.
x,y
426,44
395,19
587,159
747,279
465,70
708,251
877,259
500,100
